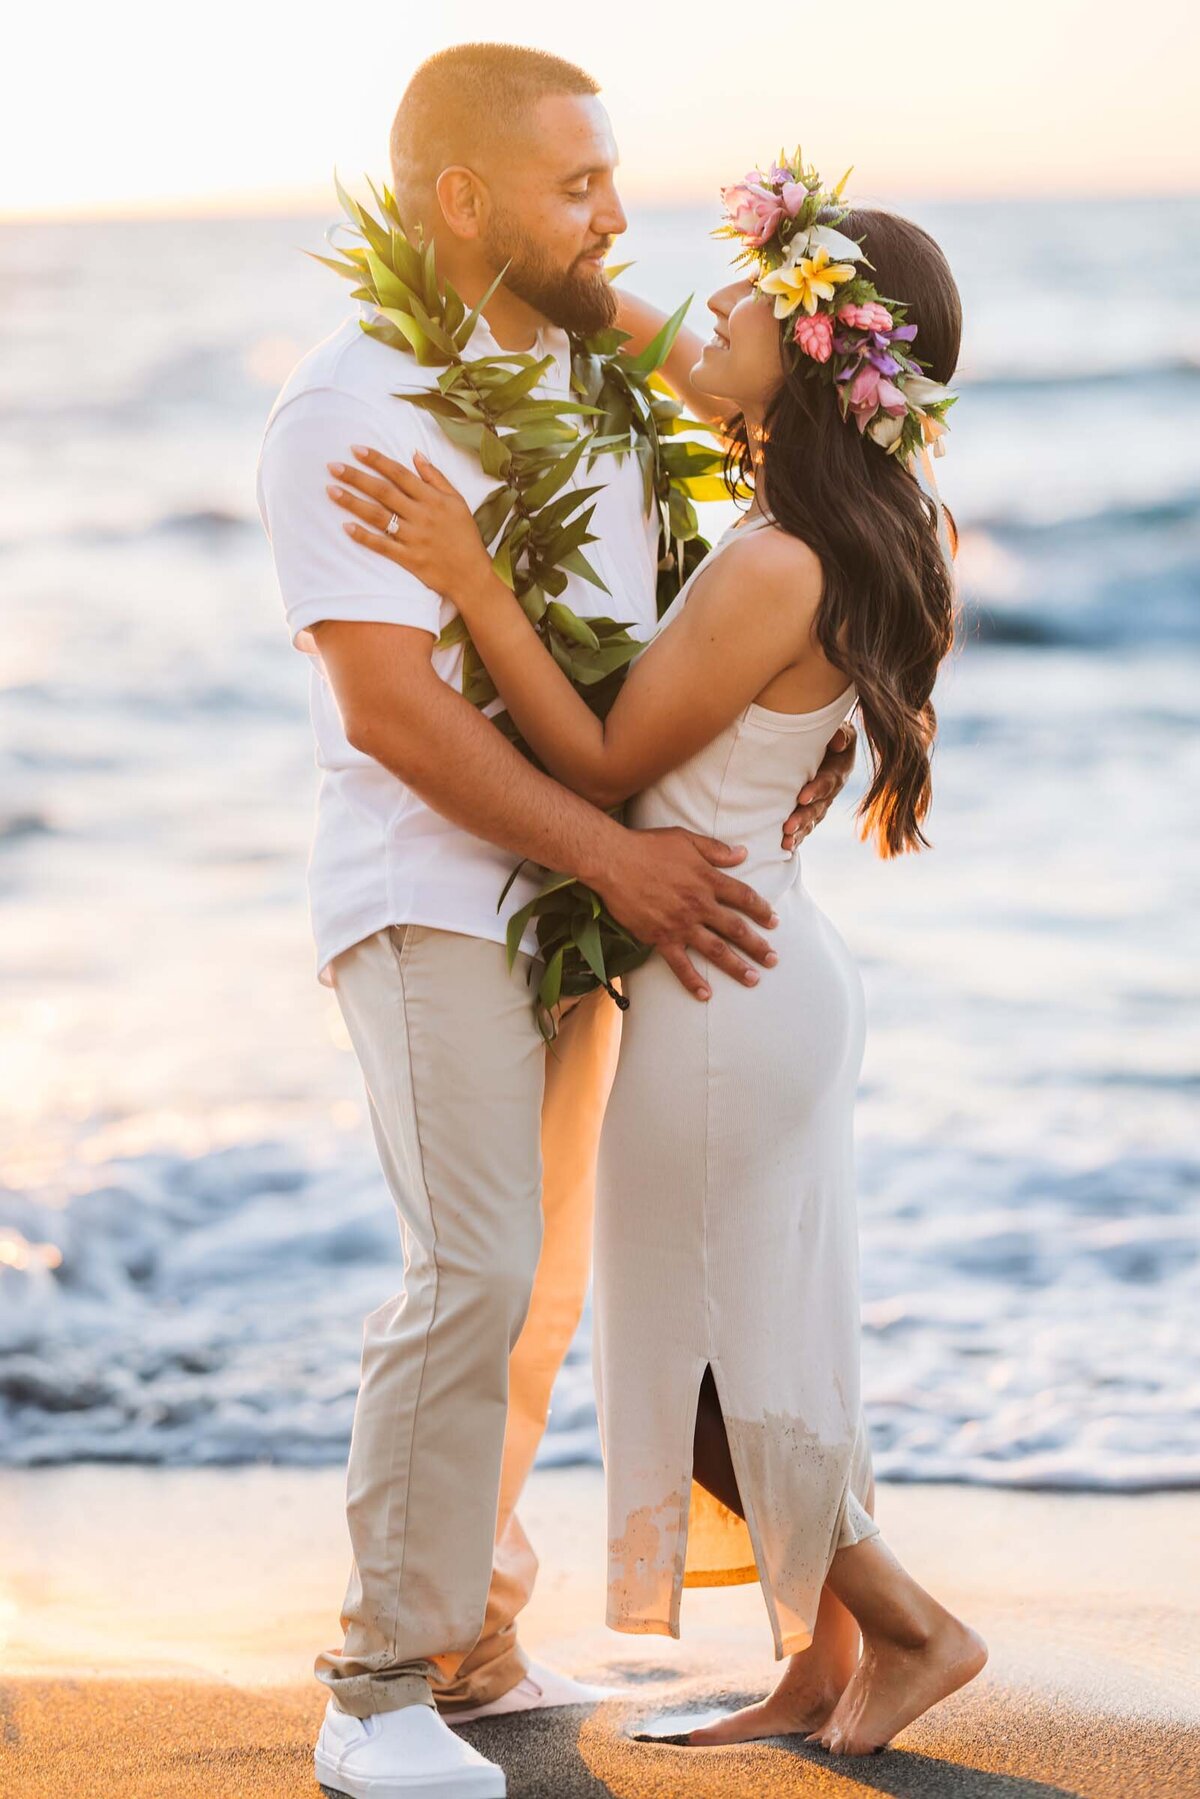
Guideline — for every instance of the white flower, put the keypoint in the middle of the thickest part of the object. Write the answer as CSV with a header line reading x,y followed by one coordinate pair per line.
x,y
885,430
920,392
841,248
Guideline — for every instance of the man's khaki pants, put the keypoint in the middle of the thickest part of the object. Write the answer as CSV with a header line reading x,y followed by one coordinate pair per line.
x,y
488,1142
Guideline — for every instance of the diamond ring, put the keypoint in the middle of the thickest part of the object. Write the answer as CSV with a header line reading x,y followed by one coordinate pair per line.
x,y
393,526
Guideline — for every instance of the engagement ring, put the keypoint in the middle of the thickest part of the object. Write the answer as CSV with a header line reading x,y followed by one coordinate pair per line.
x,y
393,526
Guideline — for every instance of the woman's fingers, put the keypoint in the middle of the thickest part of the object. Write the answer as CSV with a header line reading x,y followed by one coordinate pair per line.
x,y
383,546
395,472
723,956
685,970
735,930
370,511
432,475
372,531
375,487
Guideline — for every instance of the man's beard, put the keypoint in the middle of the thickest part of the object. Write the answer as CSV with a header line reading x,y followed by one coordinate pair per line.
x,y
578,299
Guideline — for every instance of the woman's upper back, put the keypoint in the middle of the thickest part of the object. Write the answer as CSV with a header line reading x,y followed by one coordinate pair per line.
x,y
743,784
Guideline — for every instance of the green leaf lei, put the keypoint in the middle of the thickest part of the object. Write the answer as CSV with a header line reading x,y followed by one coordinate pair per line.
x,y
536,525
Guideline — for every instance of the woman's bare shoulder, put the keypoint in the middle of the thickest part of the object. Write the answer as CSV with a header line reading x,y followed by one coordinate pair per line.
x,y
768,568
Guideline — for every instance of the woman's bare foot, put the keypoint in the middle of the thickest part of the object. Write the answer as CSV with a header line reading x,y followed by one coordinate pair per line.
x,y
894,1683
803,1701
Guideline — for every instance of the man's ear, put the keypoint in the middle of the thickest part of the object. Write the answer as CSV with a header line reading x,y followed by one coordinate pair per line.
x,y
464,199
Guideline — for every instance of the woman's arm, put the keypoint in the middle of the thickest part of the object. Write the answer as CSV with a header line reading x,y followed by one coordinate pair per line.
x,y
643,322
749,617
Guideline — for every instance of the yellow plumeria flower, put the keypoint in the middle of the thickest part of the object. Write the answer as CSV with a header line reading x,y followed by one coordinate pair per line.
x,y
805,281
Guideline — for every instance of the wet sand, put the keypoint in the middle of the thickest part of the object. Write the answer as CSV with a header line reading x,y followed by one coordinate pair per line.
x,y
157,1629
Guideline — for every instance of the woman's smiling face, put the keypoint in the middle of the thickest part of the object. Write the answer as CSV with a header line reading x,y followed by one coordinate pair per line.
x,y
743,359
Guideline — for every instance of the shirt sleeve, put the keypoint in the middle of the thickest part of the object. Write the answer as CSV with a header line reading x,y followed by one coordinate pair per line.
x,y
322,572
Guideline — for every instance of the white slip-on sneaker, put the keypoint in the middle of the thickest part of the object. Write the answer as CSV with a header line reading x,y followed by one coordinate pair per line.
x,y
540,1689
405,1754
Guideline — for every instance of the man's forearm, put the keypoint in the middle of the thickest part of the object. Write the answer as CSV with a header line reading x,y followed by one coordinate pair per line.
x,y
642,321
461,766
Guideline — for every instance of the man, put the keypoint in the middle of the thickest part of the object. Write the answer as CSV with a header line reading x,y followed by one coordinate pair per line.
x,y
503,156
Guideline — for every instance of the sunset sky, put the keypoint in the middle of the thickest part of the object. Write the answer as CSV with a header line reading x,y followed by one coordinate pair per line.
x,y
244,104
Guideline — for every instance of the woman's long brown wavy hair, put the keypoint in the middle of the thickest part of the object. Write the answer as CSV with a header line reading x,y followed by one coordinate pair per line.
x,y
886,617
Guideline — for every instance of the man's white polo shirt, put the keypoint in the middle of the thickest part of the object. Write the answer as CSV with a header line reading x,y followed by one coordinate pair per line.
x,y
381,856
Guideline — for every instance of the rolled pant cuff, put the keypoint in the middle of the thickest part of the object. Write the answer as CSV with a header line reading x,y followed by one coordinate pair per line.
x,y
480,1686
362,1695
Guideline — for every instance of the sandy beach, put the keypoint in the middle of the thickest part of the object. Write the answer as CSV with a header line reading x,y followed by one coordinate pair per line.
x,y
158,1628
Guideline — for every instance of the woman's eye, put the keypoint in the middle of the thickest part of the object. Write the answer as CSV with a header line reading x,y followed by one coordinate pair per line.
x,y
580,193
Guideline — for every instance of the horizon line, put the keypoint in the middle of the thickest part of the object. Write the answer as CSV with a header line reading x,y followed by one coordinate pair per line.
x,y
312,204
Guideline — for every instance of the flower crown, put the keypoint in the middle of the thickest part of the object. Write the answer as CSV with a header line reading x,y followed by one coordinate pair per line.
x,y
846,332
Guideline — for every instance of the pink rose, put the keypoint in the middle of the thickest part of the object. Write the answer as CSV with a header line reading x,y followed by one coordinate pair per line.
x,y
794,195
815,335
755,212
871,317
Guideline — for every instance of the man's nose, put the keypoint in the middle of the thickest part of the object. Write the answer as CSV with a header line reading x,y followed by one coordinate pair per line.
x,y
610,221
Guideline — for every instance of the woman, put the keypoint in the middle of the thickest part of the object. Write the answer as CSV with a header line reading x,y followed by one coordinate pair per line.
x,y
726,1293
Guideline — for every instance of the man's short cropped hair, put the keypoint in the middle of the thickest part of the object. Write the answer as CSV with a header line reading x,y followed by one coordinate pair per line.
x,y
466,99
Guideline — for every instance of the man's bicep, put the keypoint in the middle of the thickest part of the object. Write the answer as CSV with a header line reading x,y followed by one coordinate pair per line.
x,y
373,668
323,573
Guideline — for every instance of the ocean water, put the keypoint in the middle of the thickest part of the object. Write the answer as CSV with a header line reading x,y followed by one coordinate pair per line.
x,y
191,1219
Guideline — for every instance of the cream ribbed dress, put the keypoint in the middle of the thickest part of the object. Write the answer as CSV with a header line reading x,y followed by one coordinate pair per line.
x,y
726,1232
